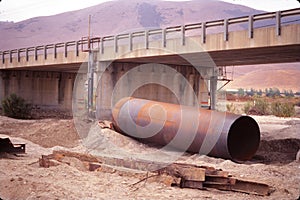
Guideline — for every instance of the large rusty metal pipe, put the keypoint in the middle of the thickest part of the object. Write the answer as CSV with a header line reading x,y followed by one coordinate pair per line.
x,y
218,134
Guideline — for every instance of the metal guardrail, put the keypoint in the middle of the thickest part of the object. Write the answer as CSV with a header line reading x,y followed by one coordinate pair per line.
x,y
163,32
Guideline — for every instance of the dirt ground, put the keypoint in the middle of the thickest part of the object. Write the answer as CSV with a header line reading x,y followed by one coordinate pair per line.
x,y
22,178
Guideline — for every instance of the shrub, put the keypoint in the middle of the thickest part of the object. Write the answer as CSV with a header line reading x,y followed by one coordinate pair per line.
x,y
231,108
282,109
257,107
247,107
261,106
16,107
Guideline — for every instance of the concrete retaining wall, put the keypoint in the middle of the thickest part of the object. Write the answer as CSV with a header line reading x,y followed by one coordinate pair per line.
x,y
149,81
43,89
55,89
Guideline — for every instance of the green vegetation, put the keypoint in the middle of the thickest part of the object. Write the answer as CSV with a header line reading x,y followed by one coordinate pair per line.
x,y
247,107
231,108
282,109
260,106
268,92
241,92
270,101
272,92
16,107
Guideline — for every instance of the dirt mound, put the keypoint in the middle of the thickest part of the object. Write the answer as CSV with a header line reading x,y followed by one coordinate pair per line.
x,y
45,132
280,151
43,113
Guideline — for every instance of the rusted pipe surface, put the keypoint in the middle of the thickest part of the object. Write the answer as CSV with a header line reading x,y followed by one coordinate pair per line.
x,y
218,134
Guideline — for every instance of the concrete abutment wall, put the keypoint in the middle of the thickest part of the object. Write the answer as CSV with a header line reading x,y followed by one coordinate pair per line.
x,y
112,81
164,83
42,89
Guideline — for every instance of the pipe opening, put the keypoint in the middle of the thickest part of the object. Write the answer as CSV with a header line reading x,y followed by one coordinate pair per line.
x,y
243,138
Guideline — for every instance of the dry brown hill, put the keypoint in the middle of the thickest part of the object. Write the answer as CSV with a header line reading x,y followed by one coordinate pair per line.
x,y
128,15
114,17
281,76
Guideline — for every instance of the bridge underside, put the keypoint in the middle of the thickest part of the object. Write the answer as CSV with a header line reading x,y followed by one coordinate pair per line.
x,y
249,56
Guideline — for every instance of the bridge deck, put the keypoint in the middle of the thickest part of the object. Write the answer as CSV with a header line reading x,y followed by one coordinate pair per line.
x,y
278,43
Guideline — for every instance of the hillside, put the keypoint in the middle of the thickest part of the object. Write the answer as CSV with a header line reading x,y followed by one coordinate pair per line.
x,y
129,15
281,76
114,17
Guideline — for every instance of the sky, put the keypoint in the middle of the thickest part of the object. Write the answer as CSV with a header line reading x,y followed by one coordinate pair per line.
x,y
18,10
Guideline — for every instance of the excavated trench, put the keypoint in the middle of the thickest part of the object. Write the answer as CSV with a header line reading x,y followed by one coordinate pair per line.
x,y
279,151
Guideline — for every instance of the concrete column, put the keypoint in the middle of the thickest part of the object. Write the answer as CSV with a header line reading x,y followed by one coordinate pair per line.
x,y
2,94
90,77
164,93
26,86
189,91
36,83
213,90
67,91
13,85
203,93
49,91
178,86
79,97
104,91
118,72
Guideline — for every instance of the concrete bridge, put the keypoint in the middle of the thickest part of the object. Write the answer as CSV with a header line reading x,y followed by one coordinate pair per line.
x,y
45,74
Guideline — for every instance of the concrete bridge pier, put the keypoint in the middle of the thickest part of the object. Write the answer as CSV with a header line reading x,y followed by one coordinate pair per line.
x,y
103,90
113,81
213,82
46,90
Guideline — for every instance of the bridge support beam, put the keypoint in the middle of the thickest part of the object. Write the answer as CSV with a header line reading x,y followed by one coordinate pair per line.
x,y
104,83
92,78
1,87
114,81
213,92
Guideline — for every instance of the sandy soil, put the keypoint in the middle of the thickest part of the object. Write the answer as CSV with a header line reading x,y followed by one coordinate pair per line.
x,y
22,178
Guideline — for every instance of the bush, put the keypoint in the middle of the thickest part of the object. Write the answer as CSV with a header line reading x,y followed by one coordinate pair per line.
x,y
261,106
231,108
16,107
257,107
247,107
282,109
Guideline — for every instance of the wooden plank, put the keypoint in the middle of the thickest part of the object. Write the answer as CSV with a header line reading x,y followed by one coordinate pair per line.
x,y
176,174
219,180
210,171
188,172
251,187
79,156
241,186
191,184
